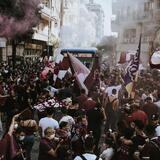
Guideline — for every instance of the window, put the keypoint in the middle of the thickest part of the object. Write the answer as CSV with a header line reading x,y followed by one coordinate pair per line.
x,y
129,35
158,4
148,6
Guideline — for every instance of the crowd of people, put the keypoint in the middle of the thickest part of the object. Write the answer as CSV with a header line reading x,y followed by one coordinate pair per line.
x,y
104,124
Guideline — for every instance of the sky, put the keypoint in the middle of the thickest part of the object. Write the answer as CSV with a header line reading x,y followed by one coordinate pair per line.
x,y
107,7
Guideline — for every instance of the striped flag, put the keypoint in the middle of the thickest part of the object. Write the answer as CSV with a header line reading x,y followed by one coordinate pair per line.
x,y
132,71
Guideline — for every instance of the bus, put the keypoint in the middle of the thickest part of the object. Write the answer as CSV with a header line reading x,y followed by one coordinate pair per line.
x,y
86,56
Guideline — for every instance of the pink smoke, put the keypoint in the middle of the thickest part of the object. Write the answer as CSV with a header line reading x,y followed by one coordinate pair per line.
x,y
10,26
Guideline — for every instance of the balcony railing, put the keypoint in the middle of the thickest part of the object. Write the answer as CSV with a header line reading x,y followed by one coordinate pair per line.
x,y
48,13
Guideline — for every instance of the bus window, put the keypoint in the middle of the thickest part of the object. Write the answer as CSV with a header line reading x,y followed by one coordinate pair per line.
x,y
86,56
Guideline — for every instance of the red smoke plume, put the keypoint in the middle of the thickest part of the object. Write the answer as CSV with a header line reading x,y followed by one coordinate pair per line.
x,y
10,26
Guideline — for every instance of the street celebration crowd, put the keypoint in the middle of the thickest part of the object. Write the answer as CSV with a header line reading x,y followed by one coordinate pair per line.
x,y
71,125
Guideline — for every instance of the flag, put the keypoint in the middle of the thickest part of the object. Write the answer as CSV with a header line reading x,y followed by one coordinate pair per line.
x,y
125,57
8,149
90,81
44,73
122,58
132,70
79,70
62,67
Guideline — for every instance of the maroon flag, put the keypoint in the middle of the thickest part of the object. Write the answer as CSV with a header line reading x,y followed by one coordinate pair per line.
x,y
60,70
122,58
8,148
3,148
92,78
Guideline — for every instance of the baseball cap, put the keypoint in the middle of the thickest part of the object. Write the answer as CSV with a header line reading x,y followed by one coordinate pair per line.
x,y
154,117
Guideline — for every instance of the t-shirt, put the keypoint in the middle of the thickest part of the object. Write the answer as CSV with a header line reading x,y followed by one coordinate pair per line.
x,y
109,89
138,140
88,156
68,119
107,154
157,129
44,147
48,122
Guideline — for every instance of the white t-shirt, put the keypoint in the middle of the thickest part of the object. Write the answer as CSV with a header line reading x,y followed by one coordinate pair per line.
x,y
88,156
67,119
107,154
157,131
48,122
109,89
158,105
144,96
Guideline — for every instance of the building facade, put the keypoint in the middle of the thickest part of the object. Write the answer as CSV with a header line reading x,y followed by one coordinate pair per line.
x,y
45,36
99,18
133,18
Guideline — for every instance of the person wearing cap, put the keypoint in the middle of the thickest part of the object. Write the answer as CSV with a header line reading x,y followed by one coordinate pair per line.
x,y
138,114
155,122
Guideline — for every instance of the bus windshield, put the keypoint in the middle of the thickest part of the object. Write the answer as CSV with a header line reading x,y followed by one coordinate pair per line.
x,y
86,56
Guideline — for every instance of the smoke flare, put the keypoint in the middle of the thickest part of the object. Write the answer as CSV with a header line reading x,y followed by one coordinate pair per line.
x,y
10,25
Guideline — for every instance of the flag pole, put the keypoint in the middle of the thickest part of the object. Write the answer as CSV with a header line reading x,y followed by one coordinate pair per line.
x,y
133,93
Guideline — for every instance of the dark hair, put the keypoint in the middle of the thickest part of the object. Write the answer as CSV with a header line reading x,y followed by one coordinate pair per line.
x,y
64,110
26,115
128,133
139,124
98,105
63,124
19,130
150,129
148,99
49,110
83,91
79,119
74,101
114,91
109,141
89,143
155,117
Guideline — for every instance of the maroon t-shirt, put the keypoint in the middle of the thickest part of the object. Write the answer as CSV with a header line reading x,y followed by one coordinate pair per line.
x,y
89,104
44,147
81,99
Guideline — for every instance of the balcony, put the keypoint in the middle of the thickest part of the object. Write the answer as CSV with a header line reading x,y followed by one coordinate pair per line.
x,y
47,13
